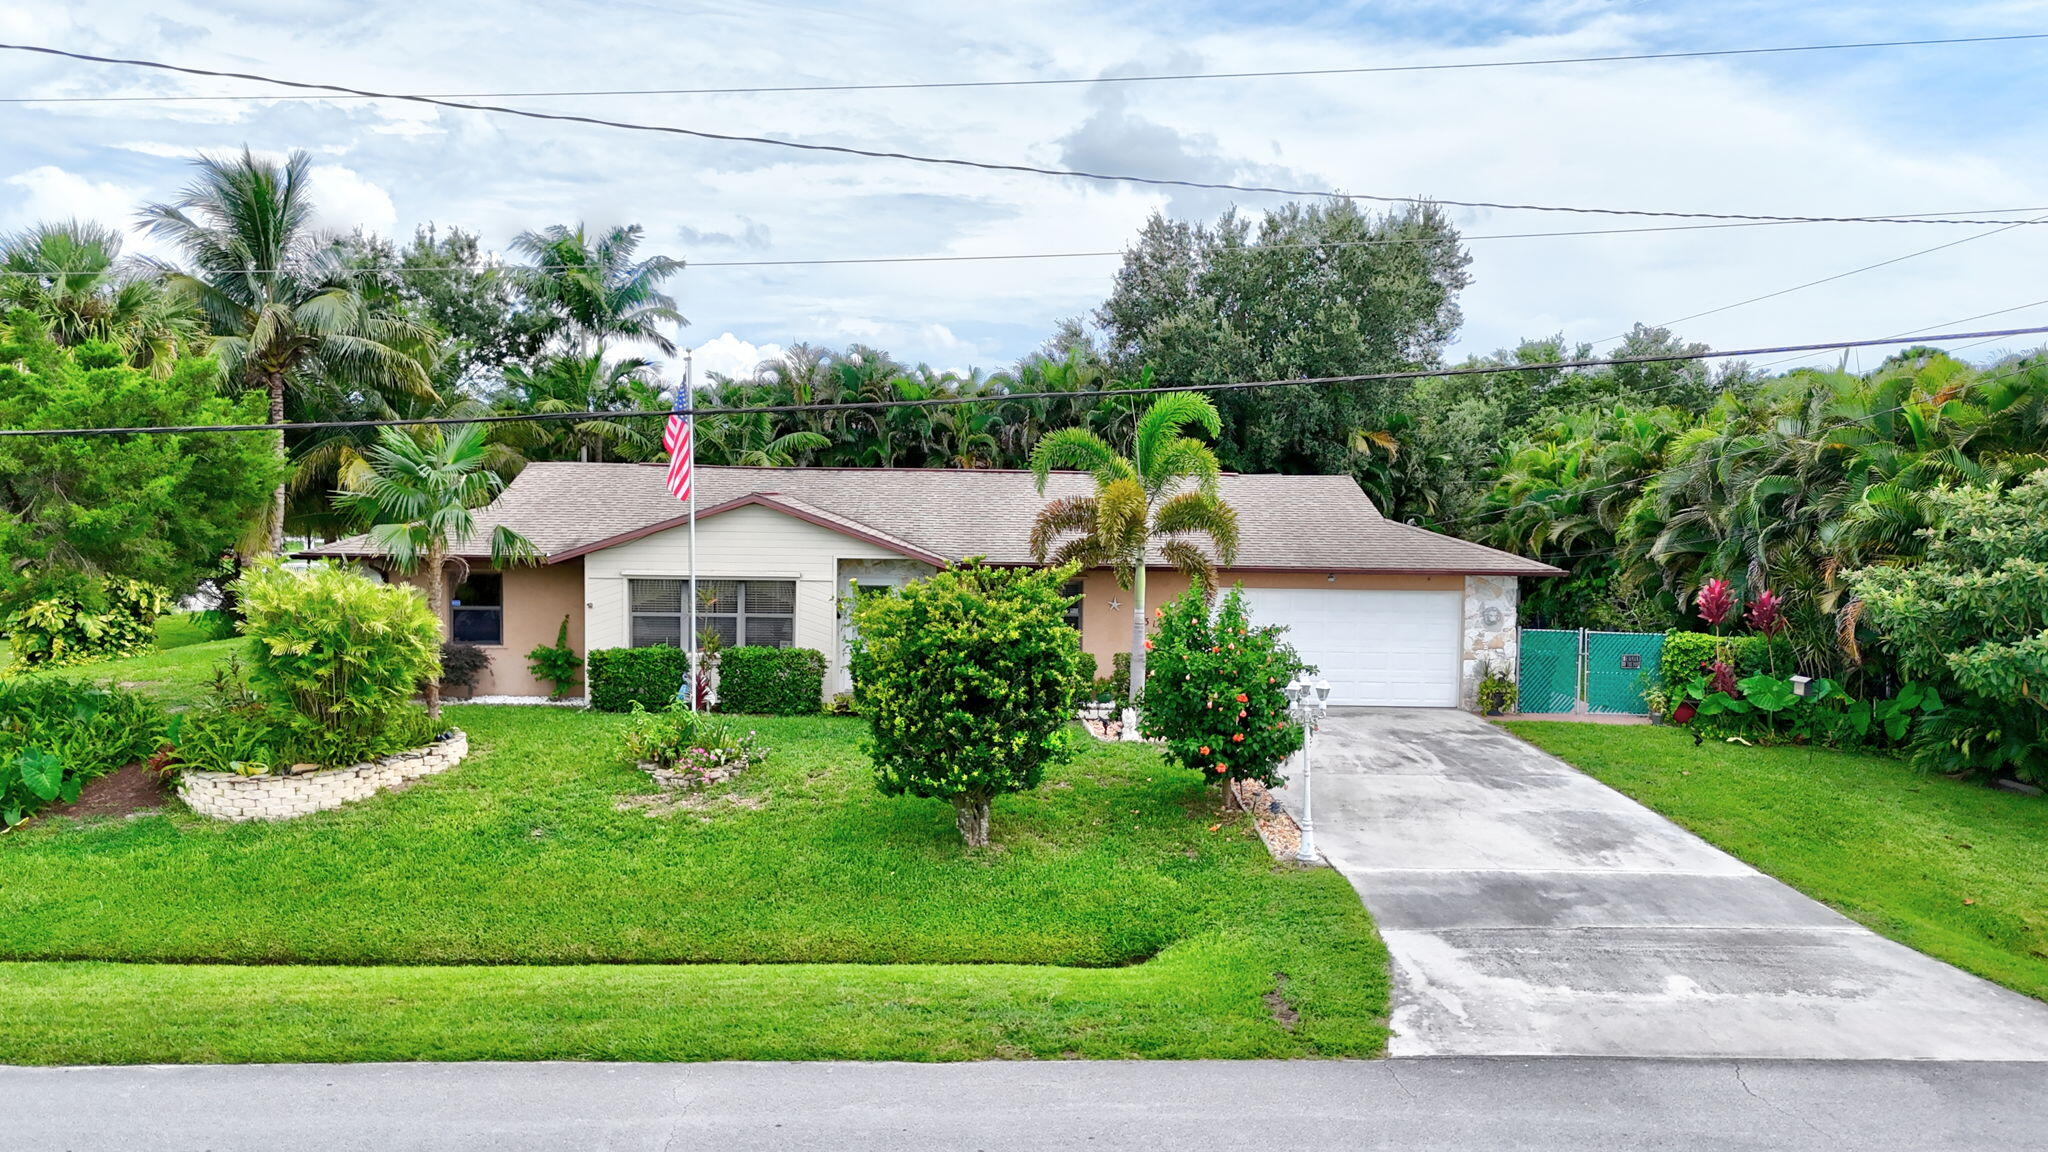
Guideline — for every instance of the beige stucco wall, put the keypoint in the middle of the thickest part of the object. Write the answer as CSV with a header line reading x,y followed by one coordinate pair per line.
x,y
536,599
1106,631
750,543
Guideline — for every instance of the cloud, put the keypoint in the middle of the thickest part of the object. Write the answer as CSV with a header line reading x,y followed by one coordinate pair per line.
x,y
51,193
730,356
344,201
750,234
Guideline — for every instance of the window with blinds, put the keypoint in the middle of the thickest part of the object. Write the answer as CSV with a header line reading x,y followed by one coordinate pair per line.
x,y
739,612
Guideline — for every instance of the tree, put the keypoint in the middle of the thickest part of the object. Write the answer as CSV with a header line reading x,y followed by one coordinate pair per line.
x,y
1972,618
446,280
78,510
417,500
72,276
967,681
1318,290
1167,491
282,304
595,290
1220,704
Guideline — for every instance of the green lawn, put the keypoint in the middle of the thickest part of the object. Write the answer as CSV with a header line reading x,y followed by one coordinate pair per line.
x,y
526,906
1951,868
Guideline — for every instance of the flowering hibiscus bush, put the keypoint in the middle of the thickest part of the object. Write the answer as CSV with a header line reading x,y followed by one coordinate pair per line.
x,y
1216,691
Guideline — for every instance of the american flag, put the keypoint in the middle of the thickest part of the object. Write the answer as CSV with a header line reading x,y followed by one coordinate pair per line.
x,y
682,450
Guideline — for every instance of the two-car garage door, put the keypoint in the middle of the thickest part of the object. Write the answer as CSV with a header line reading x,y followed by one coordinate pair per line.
x,y
1375,647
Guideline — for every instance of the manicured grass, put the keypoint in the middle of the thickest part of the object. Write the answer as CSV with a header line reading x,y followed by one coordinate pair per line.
x,y
1953,869
523,907
177,629
176,673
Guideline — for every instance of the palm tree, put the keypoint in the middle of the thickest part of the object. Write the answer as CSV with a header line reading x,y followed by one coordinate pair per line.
x,y
281,301
594,287
72,276
570,382
1167,490
416,498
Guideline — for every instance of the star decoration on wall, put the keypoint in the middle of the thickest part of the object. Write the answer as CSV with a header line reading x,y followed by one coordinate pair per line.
x,y
1115,605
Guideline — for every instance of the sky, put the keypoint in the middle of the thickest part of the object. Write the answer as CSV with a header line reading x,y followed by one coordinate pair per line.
x,y
1882,131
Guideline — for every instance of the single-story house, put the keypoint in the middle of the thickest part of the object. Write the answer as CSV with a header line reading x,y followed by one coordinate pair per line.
x,y
1390,614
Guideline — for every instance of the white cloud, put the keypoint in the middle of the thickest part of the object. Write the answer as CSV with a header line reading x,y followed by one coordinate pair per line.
x,y
346,201
728,355
51,193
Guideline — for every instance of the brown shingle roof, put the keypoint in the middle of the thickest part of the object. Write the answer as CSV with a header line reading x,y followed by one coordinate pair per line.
x,y
1320,523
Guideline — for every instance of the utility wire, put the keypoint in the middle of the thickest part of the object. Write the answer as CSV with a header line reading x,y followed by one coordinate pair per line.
x,y
1075,80
942,258
982,165
1004,397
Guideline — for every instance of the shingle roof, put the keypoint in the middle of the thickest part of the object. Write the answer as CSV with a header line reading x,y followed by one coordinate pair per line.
x,y
1319,523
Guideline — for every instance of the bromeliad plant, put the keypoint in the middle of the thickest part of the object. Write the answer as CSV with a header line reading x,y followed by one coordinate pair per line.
x,y
1217,695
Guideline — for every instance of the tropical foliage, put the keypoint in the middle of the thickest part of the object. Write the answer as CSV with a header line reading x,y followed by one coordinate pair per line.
x,y
1217,694
57,734
1155,500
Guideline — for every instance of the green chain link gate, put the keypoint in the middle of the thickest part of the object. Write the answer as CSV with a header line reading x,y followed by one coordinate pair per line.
x,y
1608,671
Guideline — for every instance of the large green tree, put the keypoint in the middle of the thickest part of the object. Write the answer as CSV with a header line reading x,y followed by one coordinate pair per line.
x,y
1165,495
289,316
78,510
1308,290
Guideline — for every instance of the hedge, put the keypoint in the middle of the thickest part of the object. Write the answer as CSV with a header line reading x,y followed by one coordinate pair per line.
x,y
1685,652
771,681
622,677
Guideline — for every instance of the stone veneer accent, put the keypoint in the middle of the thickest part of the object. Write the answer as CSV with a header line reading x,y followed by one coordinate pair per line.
x,y
1497,644
225,796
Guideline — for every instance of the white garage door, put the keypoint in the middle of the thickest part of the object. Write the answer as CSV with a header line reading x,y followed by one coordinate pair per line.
x,y
1374,647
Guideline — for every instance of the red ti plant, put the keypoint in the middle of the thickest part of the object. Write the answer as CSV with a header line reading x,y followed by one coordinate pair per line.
x,y
1715,602
1721,678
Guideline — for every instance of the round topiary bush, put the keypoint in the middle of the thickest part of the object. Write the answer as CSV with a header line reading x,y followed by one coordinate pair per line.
x,y
968,680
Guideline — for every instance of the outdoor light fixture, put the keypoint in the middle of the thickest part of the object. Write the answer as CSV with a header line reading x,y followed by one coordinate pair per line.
x,y
1308,703
1323,693
1802,685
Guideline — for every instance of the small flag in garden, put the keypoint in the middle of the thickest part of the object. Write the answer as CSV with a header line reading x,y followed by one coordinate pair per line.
x,y
682,450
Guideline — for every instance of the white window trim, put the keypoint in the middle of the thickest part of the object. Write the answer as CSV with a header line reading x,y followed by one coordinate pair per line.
x,y
795,612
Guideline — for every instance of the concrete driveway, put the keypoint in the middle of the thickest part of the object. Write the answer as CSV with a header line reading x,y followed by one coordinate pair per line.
x,y
1531,910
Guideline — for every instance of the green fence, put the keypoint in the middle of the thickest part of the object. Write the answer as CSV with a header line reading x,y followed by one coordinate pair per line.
x,y
1583,671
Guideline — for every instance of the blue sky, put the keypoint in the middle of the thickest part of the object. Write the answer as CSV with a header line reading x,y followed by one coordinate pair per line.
x,y
1897,130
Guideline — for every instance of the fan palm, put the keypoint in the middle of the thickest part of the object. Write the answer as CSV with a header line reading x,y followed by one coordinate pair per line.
x,y
71,275
1166,491
281,301
416,499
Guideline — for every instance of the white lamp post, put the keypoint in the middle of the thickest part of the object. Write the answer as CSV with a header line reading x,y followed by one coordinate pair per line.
x,y
1309,703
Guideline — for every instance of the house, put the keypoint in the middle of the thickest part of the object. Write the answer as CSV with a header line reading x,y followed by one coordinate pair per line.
x,y
1389,613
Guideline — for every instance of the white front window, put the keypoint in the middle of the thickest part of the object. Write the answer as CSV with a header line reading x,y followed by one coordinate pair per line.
x,y
739,612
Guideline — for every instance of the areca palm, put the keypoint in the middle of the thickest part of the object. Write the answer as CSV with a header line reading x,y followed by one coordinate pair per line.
x,y
595,287
71,274
416,498
280,300
1166,491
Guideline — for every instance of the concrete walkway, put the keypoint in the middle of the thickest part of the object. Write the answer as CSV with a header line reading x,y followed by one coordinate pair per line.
x,y
1456,1105
1531,910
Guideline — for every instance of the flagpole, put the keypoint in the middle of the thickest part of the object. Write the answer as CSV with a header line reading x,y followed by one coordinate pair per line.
x,y
695,669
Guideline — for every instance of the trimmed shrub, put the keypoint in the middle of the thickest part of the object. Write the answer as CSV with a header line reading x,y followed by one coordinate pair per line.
x,y
462,665
56,734
87,620
1215,691
1686,655
771,681
968,679
345,653
649,677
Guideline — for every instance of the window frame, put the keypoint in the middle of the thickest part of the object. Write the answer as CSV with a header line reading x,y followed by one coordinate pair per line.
x,y
457,610
1074,611
740,614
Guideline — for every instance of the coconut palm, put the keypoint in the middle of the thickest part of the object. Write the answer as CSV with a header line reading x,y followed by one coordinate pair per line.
x,y
416,499
1166,491
595,288
281,300
72,276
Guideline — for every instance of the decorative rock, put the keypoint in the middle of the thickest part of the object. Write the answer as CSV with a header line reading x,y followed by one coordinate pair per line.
x,y
225,796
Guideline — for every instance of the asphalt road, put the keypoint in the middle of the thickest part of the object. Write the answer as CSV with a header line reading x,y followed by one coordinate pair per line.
x,y
1456,1103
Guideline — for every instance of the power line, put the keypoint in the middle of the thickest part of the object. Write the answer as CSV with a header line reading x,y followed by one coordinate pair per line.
x,y
1003,397
1931,327
1067,80
984,165
945,258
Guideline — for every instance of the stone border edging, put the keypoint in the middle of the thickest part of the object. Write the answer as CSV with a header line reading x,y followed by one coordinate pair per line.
x,y
225,796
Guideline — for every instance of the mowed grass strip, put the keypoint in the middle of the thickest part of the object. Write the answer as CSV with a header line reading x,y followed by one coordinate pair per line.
x,y
1951,868
527,906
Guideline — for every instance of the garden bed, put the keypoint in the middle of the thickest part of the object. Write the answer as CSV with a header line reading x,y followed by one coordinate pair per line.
x,y
124,791
225,796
